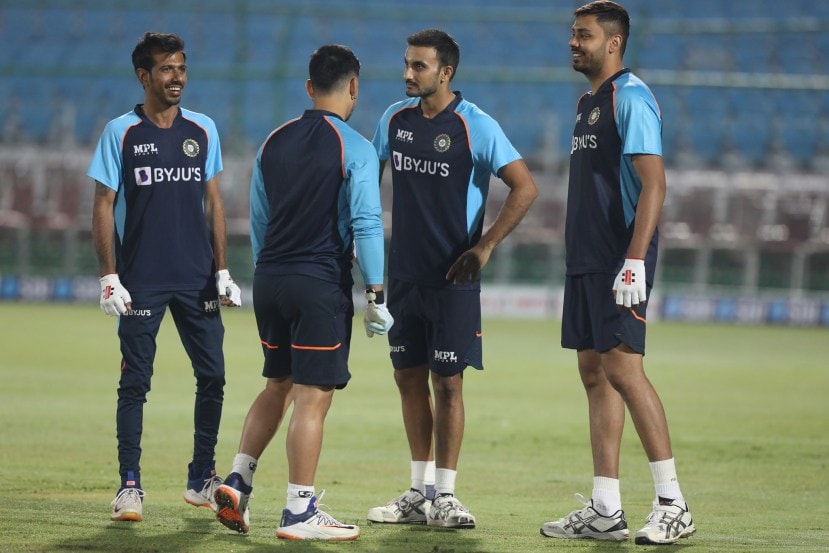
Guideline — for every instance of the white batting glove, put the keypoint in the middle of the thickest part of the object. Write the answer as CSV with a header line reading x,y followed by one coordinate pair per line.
x,y
228,289
377,318
115,300
629,285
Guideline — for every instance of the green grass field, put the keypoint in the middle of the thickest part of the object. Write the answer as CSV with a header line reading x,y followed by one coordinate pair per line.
x,y
747,408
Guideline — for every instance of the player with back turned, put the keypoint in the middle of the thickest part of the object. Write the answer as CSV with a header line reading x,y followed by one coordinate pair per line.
x,y
314,204
617,188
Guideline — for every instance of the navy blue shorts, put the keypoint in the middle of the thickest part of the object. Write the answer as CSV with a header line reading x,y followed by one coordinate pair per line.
x,y
305,328
592,320
440,327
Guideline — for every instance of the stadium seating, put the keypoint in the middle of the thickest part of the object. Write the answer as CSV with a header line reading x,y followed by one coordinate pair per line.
x,y
74,60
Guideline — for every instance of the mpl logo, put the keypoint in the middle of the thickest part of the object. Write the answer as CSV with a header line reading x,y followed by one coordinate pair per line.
x,y
211,306
404,136
446,357
144,149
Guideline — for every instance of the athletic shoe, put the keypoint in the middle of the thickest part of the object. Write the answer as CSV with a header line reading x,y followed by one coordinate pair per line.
x,y
314,524
231,498
447,512
669,521
127,505
409,508
588,523
199,492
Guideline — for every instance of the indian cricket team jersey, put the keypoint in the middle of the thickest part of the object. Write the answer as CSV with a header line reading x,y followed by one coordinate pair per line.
x,y
162,238
314,194
621,120
441,169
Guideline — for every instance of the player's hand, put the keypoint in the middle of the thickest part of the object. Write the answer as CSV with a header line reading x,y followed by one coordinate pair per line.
x,y
629,286
468,265
377,318
230,295
115,300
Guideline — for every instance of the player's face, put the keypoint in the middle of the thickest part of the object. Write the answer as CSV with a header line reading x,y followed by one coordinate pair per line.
x,y
422,73
588,45
166,81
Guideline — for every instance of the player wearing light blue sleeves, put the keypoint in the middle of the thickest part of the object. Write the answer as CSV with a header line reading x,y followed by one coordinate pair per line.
x,y
443,151
314,200
159,232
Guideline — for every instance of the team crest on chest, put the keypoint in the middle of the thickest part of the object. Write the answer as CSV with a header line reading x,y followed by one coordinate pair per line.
x,y
190,147
442,142
594,116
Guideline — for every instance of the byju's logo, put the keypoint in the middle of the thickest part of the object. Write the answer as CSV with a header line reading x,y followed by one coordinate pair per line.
x,y
143,176
414,165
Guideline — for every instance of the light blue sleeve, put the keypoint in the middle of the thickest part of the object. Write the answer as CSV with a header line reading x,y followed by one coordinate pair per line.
x,y
362,185
213,163
381,135
639,124
259,207
638,120
107,162
491,150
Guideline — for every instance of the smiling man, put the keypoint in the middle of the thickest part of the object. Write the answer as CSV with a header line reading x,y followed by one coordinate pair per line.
x,y
617,187
159,231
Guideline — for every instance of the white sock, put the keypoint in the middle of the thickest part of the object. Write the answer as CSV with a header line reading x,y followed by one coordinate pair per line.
x,y
418,474
429,480
244,465
445,481
299,497
665,480
606,497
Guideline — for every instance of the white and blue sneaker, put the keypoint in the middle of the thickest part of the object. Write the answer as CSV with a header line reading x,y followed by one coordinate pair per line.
x,y
231,499
200,489
588,523
669,521
315,524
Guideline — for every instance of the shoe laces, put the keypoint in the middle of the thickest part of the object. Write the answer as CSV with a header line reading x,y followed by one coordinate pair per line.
x,y
449,503
210,485
127,494
321,517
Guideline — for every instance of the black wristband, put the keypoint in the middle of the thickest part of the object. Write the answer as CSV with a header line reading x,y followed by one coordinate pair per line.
x,y
379,297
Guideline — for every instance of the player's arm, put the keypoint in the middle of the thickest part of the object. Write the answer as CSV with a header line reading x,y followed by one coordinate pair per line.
x,y
115,299
214,212
630,285
522,194
651,172
103,228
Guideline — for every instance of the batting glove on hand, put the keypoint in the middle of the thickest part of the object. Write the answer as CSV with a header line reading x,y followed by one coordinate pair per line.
x,y
229,292
629,285
115,300
377,318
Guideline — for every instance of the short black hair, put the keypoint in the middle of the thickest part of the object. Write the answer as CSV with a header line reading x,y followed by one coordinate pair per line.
x,y
152,43
613,18
330,66
448,51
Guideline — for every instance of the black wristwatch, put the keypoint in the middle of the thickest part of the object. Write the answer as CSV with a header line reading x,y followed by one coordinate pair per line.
x,y
378,296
